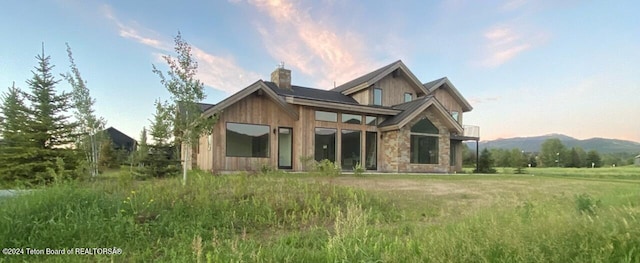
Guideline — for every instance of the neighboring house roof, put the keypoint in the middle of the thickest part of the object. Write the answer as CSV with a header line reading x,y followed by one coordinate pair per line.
x,y
413,108
118,138
369,79
440,83
205,106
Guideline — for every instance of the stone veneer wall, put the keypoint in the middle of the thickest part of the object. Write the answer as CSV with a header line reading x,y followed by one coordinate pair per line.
x,y
397,148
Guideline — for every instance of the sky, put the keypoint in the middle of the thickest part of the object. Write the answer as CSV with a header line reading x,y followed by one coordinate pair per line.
x,y
527,67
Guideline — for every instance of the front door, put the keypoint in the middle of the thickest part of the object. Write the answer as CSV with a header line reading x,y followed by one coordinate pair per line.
x,y
285,147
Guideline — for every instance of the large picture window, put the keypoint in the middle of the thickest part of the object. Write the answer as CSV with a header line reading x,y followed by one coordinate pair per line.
x,y
424,143
325,144
247,140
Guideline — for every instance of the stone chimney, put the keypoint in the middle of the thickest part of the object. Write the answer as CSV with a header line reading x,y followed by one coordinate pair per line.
x,y
281,77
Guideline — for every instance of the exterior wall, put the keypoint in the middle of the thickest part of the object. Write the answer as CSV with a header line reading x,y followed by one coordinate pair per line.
x,y
306,128
393,89
637,161
253,109
397,148
449,103
457,147
363,96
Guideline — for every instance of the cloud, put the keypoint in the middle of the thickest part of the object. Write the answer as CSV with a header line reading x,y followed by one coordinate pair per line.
x,y
504,43
476,100
221,73
310,45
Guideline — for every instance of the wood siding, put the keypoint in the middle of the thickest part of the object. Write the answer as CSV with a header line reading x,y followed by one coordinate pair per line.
x,y
393,90
449,102
363,97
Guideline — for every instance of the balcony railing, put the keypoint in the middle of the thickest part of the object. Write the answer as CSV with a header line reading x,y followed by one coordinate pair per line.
x,y
471,131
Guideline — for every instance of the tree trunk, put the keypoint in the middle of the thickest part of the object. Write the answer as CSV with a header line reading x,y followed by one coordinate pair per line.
x,y
186,150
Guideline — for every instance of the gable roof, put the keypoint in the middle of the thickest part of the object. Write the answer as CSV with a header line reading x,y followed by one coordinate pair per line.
x,y
256,86
432,86
205,106
311,93
121,140
413,108
369,79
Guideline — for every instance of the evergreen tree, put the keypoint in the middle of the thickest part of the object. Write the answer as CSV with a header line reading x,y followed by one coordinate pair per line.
x,y
143,147
485,162
13,144
108,156
593,159
48,126
160,162
90,127
13,118
186,91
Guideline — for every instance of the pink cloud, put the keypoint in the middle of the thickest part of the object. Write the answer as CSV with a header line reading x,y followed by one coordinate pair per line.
x,y
504,43
311,46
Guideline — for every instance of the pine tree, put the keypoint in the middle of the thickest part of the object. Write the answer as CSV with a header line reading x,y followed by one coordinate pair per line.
x,y
485,162
143,147
160,162
48,125
14,143
90,126
13,118
186,91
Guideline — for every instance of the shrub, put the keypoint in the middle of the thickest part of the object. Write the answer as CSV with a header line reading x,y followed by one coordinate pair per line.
x,y
358,170
586,204
328,168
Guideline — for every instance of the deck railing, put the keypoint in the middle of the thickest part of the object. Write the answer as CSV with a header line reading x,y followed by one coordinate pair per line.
x,y
471,131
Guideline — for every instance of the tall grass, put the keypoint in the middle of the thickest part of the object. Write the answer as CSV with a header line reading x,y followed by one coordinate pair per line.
x,y
282,218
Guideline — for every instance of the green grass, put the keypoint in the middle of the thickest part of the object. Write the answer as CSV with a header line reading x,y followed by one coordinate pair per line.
x,y
301,218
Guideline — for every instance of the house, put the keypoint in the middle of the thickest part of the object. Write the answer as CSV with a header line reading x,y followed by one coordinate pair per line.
x,y
386,121
636,161
121,140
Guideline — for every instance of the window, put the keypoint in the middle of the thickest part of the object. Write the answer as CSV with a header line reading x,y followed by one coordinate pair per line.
x,y
371,120
371,151
326,116
452,153
408,97
350,149
209,139
424,149
377,96
424,143
351,118
325,144
247,140
455,114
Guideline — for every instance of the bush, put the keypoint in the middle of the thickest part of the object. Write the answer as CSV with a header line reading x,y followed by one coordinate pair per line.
x,y
328,168
358,170
585,204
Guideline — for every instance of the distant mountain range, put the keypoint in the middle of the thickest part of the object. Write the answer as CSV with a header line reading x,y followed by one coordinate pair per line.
x,y
532,144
